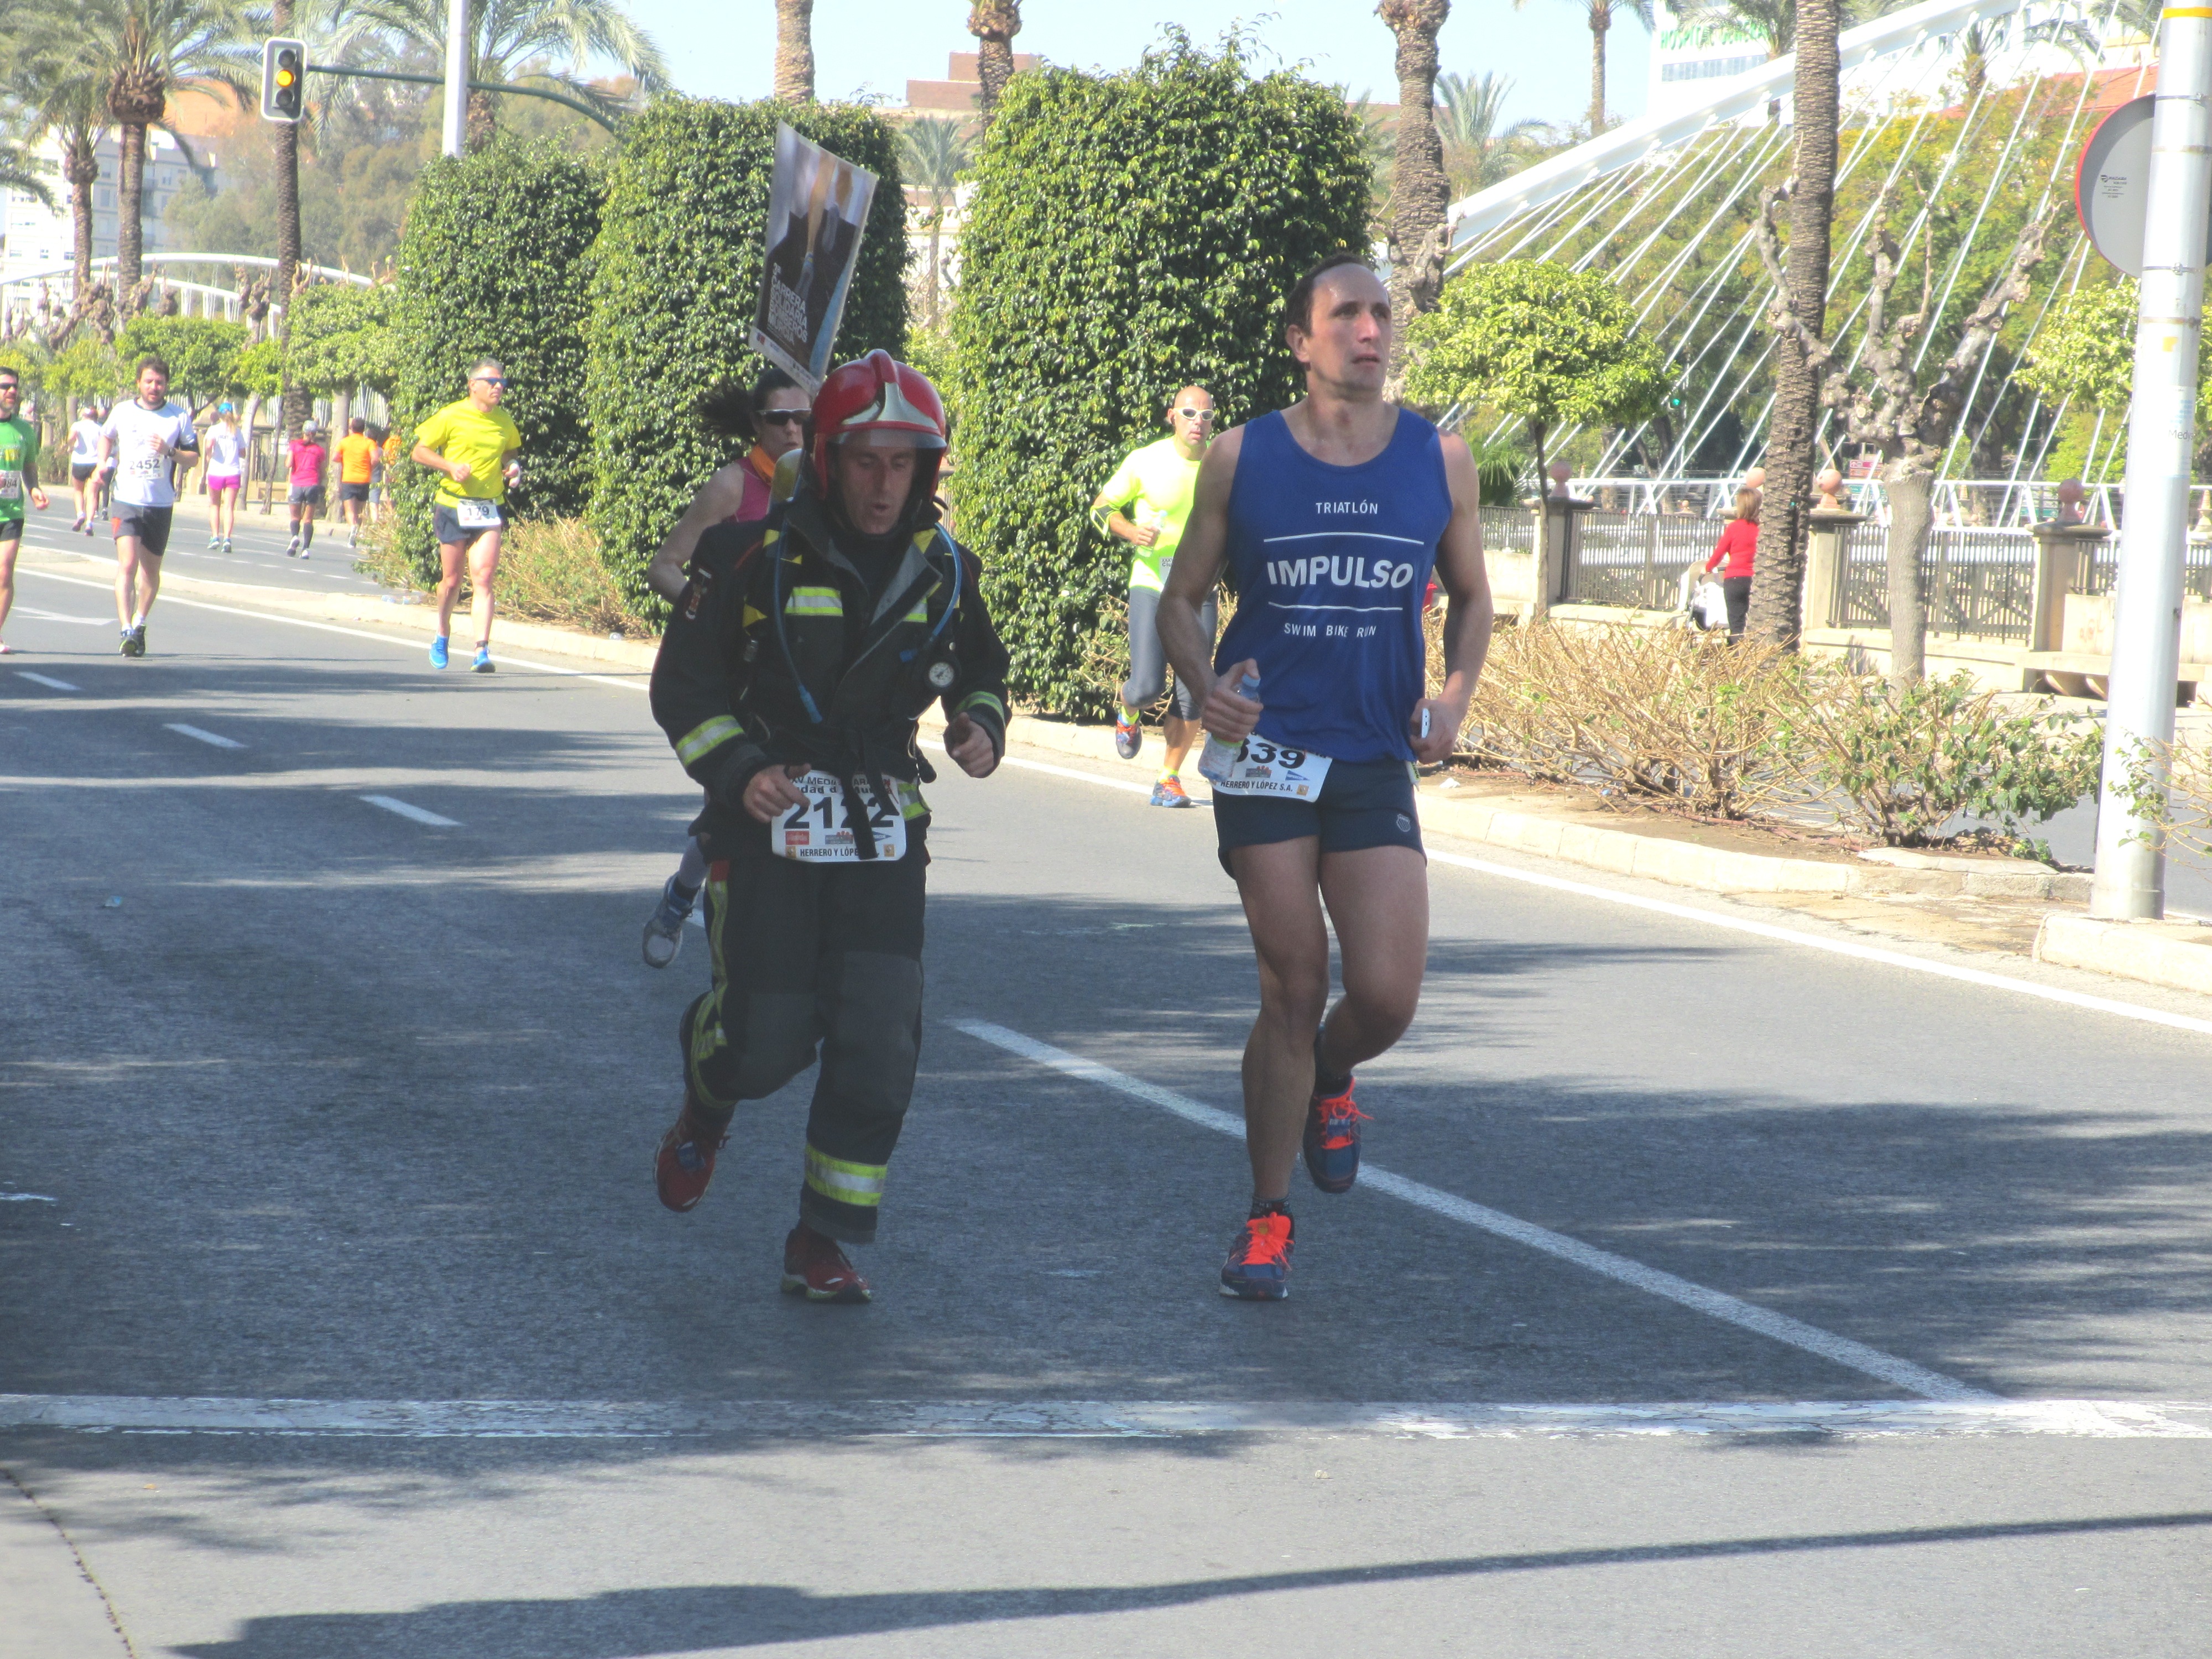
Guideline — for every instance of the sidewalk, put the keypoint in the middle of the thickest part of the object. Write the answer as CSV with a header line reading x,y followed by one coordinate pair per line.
x,y
48,1609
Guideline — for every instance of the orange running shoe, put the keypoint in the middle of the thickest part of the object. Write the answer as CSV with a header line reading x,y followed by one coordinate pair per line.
x,y
685,1161
1331,1140
1259,1265
816,1269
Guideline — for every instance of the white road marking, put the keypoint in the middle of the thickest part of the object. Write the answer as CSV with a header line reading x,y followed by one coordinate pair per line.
x,y
1742,924
1716,1304
421,815
636,682
1835,946
62,616
47,680
2100,1419
213,739
27,1198
1122,784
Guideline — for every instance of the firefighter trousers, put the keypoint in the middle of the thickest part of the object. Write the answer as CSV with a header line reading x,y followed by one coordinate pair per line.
x,y
816,961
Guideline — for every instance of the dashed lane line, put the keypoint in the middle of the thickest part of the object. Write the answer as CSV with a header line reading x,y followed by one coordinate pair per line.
x,y
1716,1304
47,680
213,739
409,809
1088,1419
635,683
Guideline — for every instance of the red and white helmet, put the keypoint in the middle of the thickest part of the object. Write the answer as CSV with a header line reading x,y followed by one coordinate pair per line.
x,y
877,394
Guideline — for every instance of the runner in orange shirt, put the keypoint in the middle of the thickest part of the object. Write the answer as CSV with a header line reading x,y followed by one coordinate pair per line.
x,y
356,466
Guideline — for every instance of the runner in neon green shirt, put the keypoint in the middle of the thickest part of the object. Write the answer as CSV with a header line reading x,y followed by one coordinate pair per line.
x,y
19,482
1144,504
474,444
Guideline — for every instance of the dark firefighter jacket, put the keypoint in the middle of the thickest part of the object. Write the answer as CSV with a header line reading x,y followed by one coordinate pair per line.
x,y
776,654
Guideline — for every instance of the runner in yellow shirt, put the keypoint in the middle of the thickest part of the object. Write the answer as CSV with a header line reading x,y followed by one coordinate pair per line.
x,y
1144,504
474,443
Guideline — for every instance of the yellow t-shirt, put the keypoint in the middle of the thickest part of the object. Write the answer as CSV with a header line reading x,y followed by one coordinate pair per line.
x,y
356,457
1152,489
477,439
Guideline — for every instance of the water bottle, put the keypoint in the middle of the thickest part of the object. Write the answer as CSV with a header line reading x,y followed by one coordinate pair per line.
x,y
1215,760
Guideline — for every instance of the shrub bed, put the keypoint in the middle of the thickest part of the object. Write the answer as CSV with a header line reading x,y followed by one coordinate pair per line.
x,y
549,571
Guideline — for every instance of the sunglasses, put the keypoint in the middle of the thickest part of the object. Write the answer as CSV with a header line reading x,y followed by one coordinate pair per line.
x,y
784,416
1195,414
492,380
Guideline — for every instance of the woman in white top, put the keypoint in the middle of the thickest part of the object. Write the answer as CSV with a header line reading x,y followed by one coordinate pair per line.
x,y
86,481
225,449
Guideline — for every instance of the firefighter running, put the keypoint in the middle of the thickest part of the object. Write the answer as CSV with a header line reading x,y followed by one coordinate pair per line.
x,y
798,656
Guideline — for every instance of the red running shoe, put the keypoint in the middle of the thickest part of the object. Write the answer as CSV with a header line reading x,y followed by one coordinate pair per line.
x,y
1332,1140
816,1269
685,1162
1259,1265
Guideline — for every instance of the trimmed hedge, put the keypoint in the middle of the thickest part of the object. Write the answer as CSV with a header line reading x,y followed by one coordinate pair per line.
x,y
675,280
495,263
1129,234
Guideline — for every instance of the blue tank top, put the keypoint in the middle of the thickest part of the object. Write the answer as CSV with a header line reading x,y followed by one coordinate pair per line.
x,y
1332,565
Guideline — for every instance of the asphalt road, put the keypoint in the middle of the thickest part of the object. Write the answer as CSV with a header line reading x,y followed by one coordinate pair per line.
x,y
338,1105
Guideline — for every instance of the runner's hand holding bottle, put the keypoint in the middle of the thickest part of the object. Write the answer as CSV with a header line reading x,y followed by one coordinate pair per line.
x,y
1230,717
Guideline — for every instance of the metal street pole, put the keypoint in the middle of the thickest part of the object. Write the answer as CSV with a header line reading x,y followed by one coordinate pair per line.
x,y
456,76
2131,878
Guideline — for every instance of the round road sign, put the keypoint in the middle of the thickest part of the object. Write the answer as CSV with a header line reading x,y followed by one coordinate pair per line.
x,y
2111,186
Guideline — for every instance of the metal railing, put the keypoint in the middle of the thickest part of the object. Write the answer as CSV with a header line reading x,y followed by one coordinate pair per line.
x,y
1636,558
1978,583
2196,571
1509,530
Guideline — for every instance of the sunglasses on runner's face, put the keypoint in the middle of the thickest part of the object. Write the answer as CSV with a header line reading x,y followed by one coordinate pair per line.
x,y
1195,414
492,380
784,416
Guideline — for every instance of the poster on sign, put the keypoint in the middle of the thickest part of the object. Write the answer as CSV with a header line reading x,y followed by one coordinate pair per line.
x,y
817,205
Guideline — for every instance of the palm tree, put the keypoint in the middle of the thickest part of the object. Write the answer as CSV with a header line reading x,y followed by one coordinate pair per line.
x,y
1419,195
60,98
507,38
933,153
1477,153
1599,15
147,51
994,23
794,51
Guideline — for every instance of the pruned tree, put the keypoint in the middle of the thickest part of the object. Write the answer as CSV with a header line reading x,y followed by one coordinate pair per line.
x,y
794,52
1883,403
994,23
1420,195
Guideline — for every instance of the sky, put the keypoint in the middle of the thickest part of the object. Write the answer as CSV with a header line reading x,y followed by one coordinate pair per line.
x,y
725,50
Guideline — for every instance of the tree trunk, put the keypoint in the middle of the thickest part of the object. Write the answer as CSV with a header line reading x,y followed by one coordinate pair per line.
x,y
794,51
480,125
286,141
130,229
936,231
1784,518
994,23
1600,19
1420,195
83,169
1909,485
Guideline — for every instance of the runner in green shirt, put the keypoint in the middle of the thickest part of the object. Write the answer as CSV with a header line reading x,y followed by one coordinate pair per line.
x,y
1144,504
19,478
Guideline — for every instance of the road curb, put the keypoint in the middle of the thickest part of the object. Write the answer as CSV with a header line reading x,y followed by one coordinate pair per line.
x,y
2174,954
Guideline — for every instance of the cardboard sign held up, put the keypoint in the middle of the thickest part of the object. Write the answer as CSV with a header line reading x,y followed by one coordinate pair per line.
x,y
818,206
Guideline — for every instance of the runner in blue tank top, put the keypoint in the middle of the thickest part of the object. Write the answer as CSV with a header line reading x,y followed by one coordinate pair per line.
x,y
1332,513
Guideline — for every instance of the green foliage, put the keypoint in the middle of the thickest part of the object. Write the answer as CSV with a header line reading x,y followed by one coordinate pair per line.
x,y
1539,342
197,349
343,337
676,275
1129,234
87,368
2085,352
1910,762
495,263
256,371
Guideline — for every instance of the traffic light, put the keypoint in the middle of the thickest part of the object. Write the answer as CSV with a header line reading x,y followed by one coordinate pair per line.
x,y
283,75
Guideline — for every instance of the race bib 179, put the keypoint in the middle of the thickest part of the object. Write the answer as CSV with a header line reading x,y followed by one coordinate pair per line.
x,y
470,514
820,829
1267,768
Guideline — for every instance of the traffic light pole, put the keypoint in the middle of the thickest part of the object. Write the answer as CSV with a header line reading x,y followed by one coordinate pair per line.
x,y
575,104
2131,880
456,76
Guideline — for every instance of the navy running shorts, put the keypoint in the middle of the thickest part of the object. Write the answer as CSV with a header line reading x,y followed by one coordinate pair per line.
x,y
150,525
1362,804
445,526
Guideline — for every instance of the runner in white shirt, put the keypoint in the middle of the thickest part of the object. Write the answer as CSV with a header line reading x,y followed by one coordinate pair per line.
x,y
85,477
141,442
226,477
